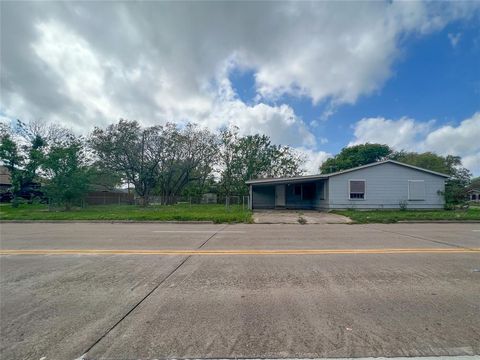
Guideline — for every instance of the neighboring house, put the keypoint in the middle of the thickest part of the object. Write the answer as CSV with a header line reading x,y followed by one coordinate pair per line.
x,y
5,178
382,185
474,195
28,191
5,184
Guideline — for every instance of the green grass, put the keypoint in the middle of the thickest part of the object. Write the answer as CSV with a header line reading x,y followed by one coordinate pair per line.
x,y
181,212
391,216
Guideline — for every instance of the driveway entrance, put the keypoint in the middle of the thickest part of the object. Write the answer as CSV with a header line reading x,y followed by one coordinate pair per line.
x,y
296,216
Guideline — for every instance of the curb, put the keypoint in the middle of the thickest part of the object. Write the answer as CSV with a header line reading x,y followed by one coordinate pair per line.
x,y
104,222
438,222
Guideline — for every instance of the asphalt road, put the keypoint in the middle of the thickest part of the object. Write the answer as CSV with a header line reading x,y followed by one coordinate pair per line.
x,y
129,291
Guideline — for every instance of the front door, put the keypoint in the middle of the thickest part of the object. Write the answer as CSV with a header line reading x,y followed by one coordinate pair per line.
x,y
280,195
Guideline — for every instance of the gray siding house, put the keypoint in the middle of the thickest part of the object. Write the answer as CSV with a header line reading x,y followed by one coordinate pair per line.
x,y
382,185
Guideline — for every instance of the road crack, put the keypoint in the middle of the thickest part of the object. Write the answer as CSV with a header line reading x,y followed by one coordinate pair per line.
x,y
136,305
423,239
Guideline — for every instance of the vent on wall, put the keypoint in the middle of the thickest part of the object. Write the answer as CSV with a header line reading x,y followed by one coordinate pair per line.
x,y
416,190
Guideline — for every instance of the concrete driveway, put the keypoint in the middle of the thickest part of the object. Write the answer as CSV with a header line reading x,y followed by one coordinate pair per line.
x,y
295,216
149,291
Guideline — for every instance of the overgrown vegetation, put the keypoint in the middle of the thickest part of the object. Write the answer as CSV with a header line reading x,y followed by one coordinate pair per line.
x,y
163,160
391,216
54,165
180,212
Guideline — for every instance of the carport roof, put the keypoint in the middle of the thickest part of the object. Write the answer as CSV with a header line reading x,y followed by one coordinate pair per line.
x,y
326,176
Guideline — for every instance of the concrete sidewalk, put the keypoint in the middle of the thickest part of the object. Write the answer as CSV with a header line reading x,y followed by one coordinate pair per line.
x,y
293,217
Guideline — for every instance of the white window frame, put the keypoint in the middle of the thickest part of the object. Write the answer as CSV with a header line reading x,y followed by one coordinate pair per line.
x,y
365,189
424,192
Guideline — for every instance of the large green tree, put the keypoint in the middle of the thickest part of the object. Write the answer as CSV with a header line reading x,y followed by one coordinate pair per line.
x,y
253,156
130,150
23,159
65,169
357,155
161,159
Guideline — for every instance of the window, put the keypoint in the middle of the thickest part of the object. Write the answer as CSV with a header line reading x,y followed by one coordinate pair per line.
x,y
357,189
416,190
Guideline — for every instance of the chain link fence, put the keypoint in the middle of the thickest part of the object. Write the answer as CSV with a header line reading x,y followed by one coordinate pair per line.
x,y
114,198
109,198
206,199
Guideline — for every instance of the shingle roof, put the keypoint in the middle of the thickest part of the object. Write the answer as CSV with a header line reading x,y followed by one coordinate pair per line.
x,y
326,176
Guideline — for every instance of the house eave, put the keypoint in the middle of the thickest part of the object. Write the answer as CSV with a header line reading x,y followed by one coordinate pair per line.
x,y
326,176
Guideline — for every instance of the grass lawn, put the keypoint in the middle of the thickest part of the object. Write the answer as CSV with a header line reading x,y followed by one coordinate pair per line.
x,y
181,212
390,216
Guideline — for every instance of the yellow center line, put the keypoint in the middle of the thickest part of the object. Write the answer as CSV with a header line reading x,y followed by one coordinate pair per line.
x,y
237,251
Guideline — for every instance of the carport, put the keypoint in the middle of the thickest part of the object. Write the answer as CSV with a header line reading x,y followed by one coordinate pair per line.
x,y
293,193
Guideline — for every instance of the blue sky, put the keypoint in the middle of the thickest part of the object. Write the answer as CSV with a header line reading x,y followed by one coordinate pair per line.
x,y
317,76
433,79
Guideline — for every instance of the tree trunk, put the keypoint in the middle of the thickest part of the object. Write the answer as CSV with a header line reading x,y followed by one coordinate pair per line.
x,y
144,200
170,199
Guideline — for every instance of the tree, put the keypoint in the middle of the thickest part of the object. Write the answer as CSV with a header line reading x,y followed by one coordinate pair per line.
x,y
426,160
66,172
228,159
131,151
158,158
189,156
357,155
49,133
22,150
99,175
253,156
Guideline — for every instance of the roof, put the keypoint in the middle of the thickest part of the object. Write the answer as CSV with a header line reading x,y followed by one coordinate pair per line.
x,y
326,176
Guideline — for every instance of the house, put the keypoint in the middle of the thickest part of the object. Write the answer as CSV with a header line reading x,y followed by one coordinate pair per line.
x,y
474,195
382,185
5,178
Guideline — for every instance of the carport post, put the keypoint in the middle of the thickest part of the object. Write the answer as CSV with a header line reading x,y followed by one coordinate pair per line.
x,y
250,199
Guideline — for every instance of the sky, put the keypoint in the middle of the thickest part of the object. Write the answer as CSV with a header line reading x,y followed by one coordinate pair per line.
x,y
317,76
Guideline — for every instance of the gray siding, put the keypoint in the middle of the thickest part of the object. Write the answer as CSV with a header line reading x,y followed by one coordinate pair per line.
x,y
263,196
321,201
386,188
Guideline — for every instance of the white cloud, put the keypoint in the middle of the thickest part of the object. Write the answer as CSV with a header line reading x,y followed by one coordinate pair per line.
x,y
454,39
161,61
313,159
411,135
462,139
400,134
70,58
